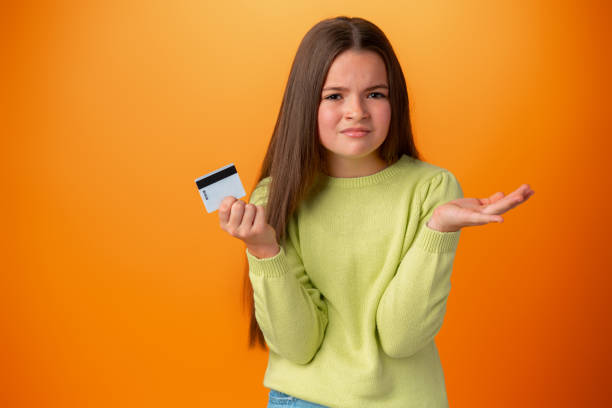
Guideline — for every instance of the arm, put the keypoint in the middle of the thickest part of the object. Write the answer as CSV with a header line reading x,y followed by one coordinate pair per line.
x,y
412,308
289,310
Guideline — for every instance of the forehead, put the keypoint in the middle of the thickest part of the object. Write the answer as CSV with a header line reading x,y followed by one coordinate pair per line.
x,y
356,67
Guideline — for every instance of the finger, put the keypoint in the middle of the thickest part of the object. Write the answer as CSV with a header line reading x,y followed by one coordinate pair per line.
x,y
481,219
493,198
237,210
497,196
524,191
513,199
224,209
249,215
503,205
260,218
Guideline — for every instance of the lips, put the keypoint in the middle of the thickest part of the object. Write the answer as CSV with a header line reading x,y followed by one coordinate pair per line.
x,y
356,132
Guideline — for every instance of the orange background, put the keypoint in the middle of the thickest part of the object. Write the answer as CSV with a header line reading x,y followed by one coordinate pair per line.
x,y
119,290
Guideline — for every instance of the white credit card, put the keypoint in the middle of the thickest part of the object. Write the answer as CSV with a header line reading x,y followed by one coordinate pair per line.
x,y
217,185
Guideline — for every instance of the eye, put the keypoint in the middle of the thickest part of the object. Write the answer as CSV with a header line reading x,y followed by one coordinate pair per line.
x,y
330,96
378,93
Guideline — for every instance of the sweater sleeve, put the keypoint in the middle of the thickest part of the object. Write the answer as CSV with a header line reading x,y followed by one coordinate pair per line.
x,y
412,307
290,311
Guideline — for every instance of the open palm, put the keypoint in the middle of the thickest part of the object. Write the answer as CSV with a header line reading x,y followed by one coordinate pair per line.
x,y
464,212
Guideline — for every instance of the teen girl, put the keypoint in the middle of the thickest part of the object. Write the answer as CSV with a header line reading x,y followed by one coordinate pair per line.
x,y
350,237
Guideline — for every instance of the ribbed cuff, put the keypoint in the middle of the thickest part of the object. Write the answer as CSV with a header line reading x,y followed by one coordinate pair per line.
x,y
272,267
432,240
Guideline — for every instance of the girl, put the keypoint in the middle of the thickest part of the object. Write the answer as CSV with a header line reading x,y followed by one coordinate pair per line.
x,y
350,237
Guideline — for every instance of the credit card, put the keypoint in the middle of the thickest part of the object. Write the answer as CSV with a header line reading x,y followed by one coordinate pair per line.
x,y
217,185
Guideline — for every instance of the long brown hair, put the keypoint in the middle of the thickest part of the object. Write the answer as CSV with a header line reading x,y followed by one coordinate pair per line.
x,y
295,155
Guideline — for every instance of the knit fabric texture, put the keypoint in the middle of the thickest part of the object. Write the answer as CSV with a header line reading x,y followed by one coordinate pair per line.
x,y
351,304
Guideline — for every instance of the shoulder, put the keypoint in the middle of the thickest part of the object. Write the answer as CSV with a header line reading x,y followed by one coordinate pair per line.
x,y
259,196
422,178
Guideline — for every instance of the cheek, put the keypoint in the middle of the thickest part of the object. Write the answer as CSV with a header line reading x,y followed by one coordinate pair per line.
x,y
328,118
384,114
327,125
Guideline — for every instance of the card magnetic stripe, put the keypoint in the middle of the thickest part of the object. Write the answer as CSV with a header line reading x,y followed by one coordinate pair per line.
x,y
216,177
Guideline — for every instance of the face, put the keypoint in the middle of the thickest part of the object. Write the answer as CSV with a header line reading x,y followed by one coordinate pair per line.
x,y
355,95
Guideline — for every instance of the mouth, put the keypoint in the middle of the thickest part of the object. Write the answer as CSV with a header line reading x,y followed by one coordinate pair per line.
x,y
356,133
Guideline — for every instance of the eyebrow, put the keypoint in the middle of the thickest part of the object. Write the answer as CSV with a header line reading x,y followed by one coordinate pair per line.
x,y
340,88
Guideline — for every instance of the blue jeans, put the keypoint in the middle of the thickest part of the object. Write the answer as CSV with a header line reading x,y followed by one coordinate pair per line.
x,y
277,399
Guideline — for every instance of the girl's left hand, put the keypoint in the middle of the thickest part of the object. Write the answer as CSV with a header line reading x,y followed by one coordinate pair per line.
x,y
465,212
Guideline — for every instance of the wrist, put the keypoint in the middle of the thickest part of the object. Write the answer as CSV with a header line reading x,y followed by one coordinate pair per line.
x,y
265,251
432,224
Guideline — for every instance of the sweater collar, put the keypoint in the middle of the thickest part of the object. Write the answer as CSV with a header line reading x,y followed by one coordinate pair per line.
x,y
357,182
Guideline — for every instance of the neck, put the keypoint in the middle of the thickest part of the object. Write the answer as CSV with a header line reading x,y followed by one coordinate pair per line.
x,y
344,167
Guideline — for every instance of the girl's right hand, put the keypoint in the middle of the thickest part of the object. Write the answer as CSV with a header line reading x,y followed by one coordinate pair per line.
x,y
247,222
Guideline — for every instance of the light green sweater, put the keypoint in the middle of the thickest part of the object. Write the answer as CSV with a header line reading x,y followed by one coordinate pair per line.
x,y
350,305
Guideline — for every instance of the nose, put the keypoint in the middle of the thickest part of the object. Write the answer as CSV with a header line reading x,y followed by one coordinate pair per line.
x,y
355,109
